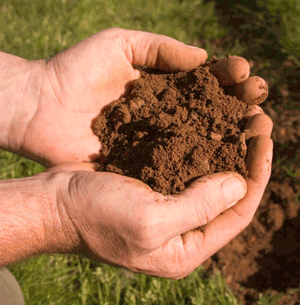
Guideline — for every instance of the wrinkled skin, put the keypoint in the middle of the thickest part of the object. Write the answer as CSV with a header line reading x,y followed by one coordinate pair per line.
x,y
120,221
116,219
80,81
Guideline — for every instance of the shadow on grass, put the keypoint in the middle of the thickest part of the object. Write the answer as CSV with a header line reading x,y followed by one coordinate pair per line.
x,y
253,26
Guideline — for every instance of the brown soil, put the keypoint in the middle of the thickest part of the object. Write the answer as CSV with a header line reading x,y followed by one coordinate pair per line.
x,y
172,128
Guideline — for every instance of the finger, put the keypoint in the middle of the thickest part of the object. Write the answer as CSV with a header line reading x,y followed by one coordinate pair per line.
x,y
260,124
231,70
161,52
70,167
252,91
253,110
198,204
198,245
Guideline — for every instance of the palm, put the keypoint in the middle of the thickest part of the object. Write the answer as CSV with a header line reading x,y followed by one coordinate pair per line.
x,y
80,82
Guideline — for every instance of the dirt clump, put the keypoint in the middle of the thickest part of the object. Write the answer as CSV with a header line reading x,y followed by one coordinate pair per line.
x,y
171,128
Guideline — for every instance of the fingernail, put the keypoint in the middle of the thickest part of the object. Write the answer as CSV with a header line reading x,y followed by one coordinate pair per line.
x,y
232,204
193,47
234,190
201,54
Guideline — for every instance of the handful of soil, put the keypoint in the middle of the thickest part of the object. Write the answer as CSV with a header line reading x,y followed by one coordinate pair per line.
x,y
172,128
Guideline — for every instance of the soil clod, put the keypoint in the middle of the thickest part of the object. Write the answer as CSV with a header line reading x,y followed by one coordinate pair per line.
x,y
172,128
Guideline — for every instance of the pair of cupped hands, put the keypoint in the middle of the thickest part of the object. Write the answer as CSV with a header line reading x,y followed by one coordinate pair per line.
x,y
116,219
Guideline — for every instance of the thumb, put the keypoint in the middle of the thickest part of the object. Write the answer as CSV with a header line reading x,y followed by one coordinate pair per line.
x,y
161,52
71,167
201,202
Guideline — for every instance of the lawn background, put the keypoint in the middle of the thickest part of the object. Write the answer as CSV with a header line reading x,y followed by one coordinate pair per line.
x,y
39,29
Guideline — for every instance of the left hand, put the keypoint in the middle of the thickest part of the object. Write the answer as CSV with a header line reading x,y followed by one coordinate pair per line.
x,y
120,221
79,82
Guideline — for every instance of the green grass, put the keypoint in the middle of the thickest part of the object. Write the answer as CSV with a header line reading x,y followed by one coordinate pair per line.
x,y
73,280
268,29
13,166
39,29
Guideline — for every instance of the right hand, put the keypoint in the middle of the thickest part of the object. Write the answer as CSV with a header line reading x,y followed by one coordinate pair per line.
x,y
120,221
82,80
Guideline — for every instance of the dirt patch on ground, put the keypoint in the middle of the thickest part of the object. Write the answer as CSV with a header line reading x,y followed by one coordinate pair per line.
x,y
171,128
266,255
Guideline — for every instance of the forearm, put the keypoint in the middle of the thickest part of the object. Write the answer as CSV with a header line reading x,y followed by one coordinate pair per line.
x,y
22,231
20,86
30,220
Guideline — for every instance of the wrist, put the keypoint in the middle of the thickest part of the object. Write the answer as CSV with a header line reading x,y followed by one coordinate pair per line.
x,y
31,221
60,234
20,87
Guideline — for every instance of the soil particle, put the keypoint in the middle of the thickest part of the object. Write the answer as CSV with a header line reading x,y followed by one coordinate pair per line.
x,y
171,128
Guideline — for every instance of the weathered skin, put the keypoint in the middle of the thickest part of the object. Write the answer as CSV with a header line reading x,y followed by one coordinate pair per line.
x,y
46,113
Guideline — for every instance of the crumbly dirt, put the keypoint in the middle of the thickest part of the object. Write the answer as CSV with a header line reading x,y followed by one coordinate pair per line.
x,y
172,128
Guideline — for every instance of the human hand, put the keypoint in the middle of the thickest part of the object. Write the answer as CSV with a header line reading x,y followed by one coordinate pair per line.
x,y
79,82
120,221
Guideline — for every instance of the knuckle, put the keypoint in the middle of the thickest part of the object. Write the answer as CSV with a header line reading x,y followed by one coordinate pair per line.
x,y
176,273
244,221
208,209
247,221
114,30
146,230
178,265
200,213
